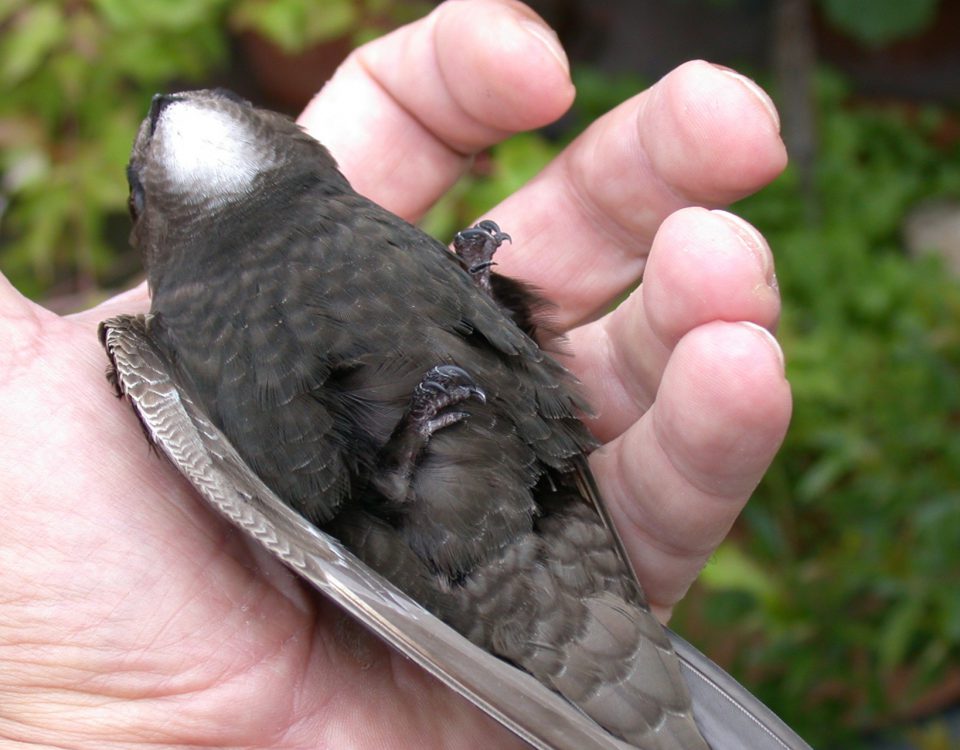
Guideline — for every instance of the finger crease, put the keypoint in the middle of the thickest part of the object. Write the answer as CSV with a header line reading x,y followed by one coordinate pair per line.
x,y
457,153
617,233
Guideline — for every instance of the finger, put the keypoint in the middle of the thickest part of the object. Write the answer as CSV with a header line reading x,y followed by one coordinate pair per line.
x,y
130,302
678,478
582,228
403,113
704,266
20,324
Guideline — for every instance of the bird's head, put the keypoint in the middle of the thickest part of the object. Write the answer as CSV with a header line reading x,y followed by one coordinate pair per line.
x,y
207,157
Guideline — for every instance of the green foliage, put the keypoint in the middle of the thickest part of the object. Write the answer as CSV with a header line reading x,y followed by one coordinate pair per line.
x,y
936,736
75,80
878,22
295,25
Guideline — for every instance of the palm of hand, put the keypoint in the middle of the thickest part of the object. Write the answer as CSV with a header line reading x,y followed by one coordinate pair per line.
x,y
130,613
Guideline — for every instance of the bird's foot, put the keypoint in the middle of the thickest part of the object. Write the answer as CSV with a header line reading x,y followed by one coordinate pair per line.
x,y
442,387
430,410
475,248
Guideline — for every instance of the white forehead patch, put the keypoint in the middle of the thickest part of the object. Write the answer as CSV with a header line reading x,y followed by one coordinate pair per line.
x,y
206,152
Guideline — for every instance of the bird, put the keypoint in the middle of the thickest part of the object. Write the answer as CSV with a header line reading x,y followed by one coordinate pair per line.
x,y
398,396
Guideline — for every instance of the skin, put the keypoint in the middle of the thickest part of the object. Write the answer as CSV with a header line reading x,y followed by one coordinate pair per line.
x,y
130,616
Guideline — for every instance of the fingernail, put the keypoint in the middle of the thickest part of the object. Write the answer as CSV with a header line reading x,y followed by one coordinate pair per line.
x,y
769,338
754,89
753,241
549,39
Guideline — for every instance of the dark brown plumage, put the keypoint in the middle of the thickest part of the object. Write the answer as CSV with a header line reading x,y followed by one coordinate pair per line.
x,y
302,318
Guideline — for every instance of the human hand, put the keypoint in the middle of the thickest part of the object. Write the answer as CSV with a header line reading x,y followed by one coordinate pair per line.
x,y
129,614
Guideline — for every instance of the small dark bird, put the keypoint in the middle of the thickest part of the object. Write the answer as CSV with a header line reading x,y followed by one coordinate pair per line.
x,y
393,394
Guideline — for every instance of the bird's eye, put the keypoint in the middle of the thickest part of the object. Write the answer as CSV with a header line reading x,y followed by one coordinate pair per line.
x,y
137,198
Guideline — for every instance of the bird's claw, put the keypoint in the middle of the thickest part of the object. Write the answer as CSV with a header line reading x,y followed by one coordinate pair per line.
x,y
442,387
475,248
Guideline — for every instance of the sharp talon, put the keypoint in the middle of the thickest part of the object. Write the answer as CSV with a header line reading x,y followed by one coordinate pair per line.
x,y
432,385
470,234
442,387
483,266
475,248
493,230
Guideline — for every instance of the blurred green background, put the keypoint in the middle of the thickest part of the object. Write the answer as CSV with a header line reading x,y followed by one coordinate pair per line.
x,y
837,596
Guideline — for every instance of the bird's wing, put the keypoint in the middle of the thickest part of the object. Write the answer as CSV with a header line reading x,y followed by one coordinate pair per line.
x,y
728,715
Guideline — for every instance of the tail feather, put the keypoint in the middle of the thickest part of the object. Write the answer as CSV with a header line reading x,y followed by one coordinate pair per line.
x,y
621,671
